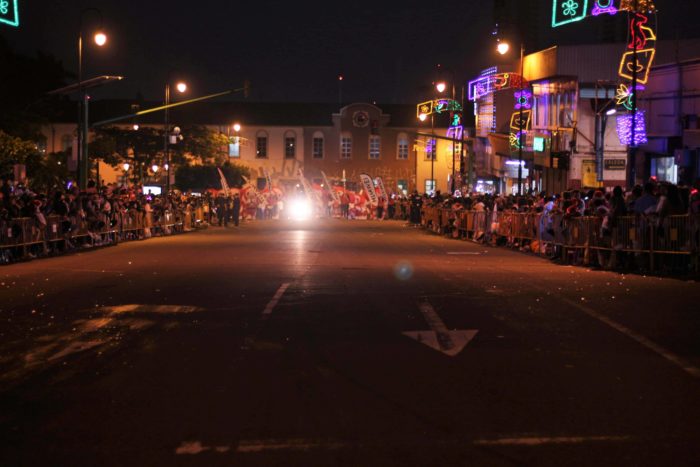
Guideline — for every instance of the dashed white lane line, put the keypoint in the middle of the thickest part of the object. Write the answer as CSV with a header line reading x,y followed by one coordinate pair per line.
x,y
275,300
643,340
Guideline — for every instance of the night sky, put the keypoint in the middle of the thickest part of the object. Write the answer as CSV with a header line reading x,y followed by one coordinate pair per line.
x,y
291,51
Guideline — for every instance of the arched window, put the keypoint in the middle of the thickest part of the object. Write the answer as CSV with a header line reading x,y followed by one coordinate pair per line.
x,y
346,146
317,148
290,145
261,145
375,147
402,147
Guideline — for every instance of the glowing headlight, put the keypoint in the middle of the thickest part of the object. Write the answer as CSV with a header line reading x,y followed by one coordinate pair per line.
x,y
300,210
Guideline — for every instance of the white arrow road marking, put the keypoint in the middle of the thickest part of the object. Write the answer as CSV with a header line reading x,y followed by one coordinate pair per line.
x,y
440,338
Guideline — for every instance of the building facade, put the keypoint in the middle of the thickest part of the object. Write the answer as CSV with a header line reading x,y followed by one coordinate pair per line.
x,y
572,138
285,140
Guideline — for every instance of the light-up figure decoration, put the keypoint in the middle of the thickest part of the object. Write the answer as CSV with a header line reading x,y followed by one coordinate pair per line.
x,y
624,129
625,94
640,33
455,132
523,99
516,139
9,12
604,6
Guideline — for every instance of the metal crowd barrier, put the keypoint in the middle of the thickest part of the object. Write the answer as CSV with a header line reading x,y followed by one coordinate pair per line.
x,y
23,238
648,242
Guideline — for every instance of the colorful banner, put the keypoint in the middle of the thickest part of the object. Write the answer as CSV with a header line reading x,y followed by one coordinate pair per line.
x,y
258,196
382,189
268,180
334,194
368,186
224,183
311,194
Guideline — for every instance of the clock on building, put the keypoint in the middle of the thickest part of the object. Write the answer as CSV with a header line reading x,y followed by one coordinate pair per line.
x,y
360,119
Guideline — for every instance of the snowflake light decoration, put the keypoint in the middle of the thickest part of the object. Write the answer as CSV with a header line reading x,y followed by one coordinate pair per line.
x,y
523,100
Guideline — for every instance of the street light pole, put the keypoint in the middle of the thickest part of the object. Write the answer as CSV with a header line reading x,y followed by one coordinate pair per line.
x,y
181,88
166,135
520,122
82,149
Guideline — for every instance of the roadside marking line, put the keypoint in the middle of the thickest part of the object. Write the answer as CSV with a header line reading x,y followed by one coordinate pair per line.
x,y
287,445
193,448
537,441
464,253
275,300
644,341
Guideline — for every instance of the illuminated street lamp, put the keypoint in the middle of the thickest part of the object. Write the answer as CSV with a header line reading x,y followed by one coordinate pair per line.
x,y
154,168
422,117
441,86
100,39
503,48
126,166
236,127
181,88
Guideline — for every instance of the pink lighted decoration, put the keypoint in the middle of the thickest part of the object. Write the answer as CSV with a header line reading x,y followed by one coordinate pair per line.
x,y
604,6
523,100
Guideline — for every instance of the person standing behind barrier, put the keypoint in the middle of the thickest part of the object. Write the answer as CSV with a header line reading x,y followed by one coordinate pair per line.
x,y
416,205
236,209
147,218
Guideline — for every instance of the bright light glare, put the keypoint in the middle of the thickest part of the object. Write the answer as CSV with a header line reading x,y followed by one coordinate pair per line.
x,y
100,39
422,117
611,112
126,166
181,87
154,168
503,48
300,210
236,127
441,87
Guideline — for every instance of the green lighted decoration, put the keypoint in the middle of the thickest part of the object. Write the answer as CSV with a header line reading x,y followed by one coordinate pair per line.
x,y
9,12
568,11
538,144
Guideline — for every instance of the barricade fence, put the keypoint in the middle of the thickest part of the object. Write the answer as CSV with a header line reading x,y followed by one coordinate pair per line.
x,y
25,238
648,243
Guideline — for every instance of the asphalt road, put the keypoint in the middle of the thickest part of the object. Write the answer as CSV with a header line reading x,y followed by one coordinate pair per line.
x,y
345,343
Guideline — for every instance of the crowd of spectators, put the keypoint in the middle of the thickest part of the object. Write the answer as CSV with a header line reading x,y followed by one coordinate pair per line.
x,y
662,199
91,217
648,209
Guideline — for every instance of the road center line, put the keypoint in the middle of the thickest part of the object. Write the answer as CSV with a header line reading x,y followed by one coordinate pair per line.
x,y
644,341
273,303
540,441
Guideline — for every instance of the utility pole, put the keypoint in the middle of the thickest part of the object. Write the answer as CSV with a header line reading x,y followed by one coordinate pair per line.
x,y
520,120
632,158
